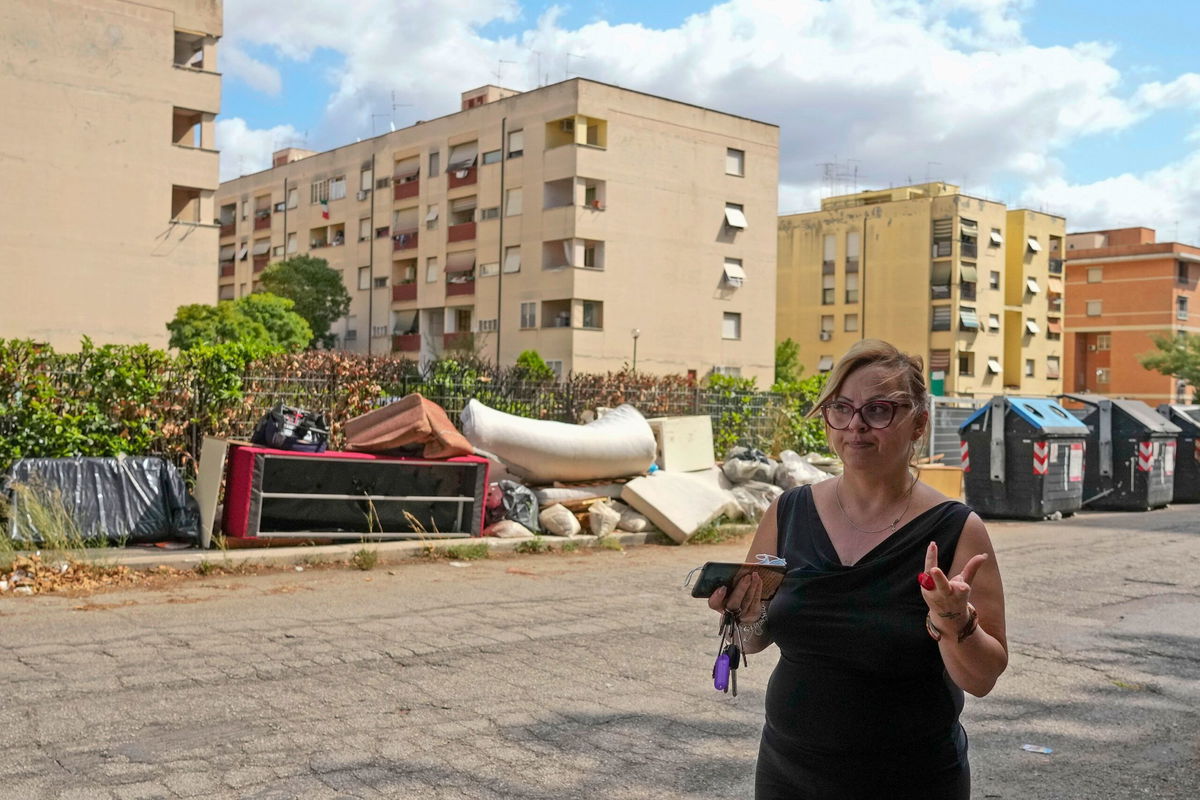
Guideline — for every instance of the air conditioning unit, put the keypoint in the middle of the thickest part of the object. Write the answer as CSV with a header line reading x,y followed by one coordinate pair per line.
x,y
1091,347
826,336
567,125
362,194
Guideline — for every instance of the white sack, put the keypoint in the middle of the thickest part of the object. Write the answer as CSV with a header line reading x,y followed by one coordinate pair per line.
x,y
549,495
559,521
508,529
602,518
618,444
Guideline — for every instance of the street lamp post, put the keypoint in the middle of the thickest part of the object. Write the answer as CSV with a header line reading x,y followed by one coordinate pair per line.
x,y
635,333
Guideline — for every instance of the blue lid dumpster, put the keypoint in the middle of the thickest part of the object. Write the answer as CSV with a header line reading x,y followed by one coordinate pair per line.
x,y
1023,458
1130,454
1187,450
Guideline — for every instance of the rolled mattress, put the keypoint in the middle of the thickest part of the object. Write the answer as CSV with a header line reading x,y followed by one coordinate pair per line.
x,y
619,443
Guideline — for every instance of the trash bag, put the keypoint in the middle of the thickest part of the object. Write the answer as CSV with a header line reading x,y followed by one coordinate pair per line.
x,y
289,428
507,529
794,470
519,503
743,464
602,518
755,497
557,520
633,521
493,505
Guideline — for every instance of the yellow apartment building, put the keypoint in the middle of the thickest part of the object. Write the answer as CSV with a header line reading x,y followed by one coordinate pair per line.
x,y
110,163
585,221
930,270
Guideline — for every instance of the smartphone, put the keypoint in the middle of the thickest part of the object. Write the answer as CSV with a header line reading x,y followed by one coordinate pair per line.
x,y
716,574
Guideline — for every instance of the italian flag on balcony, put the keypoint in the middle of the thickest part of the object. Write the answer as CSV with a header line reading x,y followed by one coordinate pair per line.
x,y
324,209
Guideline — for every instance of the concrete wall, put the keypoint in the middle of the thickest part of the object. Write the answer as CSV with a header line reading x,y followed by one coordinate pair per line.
x,y
88,150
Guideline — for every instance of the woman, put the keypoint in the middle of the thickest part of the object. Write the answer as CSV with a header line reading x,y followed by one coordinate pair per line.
x,y
892,606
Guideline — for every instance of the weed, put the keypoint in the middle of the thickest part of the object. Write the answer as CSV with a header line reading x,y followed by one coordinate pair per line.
x,y
610,542
311,561
718,531
206,567
468,552
365,558
570,546
535,545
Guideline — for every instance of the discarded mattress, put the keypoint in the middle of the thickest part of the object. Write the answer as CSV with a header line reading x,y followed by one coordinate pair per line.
x,y
677,503
618,444
411,421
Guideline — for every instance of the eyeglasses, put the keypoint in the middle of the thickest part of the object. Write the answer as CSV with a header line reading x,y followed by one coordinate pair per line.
x,y
875,414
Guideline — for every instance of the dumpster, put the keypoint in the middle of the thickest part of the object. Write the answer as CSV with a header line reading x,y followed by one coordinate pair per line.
x,y
1187,450
1023,458
1130,461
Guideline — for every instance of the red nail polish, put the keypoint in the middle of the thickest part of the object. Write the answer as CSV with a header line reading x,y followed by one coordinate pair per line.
x,y
926,581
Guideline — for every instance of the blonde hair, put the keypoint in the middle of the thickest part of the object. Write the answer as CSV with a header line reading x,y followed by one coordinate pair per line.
x,y
905,371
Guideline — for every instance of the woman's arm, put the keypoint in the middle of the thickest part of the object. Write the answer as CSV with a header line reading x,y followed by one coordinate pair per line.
x,y
978,660
746,597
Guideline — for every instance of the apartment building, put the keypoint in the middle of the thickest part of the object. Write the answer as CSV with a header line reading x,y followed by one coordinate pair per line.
x,y
581,220
1125,288
965,283
109,156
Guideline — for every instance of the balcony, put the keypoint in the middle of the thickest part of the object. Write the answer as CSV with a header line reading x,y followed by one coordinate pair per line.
x,y
228,229
466,287
463,340
469,176
404,190
463,232
402,292
262,220
1056,266
196,89
406,343
968,249
404,240
260,263
226,269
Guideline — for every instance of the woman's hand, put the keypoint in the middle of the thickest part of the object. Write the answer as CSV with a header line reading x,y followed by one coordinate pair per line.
x,y
947,598
745,601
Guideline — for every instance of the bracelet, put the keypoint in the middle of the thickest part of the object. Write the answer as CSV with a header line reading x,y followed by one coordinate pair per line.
x,y
972,625
754,628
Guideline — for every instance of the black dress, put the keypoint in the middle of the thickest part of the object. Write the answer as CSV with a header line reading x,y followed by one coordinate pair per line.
x,y
860,705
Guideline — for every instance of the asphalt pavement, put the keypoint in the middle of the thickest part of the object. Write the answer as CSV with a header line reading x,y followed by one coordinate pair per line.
x,y
567,675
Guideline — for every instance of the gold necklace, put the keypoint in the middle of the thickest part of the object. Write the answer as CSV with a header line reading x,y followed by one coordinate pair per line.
x,y
891,527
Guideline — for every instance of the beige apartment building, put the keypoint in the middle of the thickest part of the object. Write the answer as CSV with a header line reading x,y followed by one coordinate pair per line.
x,y
585,221
963,282
109,159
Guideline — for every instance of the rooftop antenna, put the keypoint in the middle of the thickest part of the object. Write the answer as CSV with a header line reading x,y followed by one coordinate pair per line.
x,y
500,62
537,76
567,64
390,117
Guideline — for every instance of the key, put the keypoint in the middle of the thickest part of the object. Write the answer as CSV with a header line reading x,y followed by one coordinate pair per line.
x,y
734,656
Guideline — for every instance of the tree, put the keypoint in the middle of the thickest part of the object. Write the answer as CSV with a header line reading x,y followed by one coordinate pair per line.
x,y
262,322
1177,356
318,292
532,367
787,362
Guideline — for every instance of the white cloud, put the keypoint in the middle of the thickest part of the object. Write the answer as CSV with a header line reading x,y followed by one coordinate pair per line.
x,y
236,64
245,150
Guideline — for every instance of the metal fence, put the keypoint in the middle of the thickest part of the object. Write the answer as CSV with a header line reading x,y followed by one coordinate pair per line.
x,y
946,416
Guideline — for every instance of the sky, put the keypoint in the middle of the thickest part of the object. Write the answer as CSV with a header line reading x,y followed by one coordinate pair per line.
x,y
1089,109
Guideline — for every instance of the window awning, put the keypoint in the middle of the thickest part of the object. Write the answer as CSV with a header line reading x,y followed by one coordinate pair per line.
x,y
940,275
993,322
462,156
968,227
1054,285
227,252
460,262
1031,326
1033,245
463,204
262,248
243,252
939,360
512,260
993,366
996,238
968,273
734,217
734,274
1053,325
825,364
407,168
405,322
968,318
405,219
1032,285
432,214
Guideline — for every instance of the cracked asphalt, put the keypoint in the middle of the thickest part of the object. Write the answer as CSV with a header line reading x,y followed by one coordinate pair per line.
x,y
579,675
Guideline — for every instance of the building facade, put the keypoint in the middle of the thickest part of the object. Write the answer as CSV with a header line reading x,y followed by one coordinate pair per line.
x,y
108,145
968,285
580,220
1125,289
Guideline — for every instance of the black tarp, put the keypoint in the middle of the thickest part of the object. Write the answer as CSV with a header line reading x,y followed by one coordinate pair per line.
x,y
128,499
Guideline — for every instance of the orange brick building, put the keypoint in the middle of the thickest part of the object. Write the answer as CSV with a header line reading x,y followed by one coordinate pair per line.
x,y
1122,289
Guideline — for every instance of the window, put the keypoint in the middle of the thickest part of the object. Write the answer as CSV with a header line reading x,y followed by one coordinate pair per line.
x,y
225,292
735,216
1029,368
827,289
968,320
528,315
828,254
516,144
489,270
512,259
995,239
489,213
1095,274
824,363
245,208
993,322
462,157
381,283
364,229
556,366
589,254
431,270
994,279
1102,375
487,325
1031,242
593,314
943,237
1095,308
1053,328
512,202
1052,367
968,235
735,162
734,275
966,363
851,286
292,242
1031,327
967,277
431,217
993,366
827,323
733,372
318,192
1182,272
1104,341
939,281
850,323
337,188
435,163
293,198
941,318
731,326
491,157
277,251
853,246
1181,307
364,278
365,179
1031,286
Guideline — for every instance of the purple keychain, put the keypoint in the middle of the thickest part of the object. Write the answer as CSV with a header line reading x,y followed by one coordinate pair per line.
x,y
721,673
